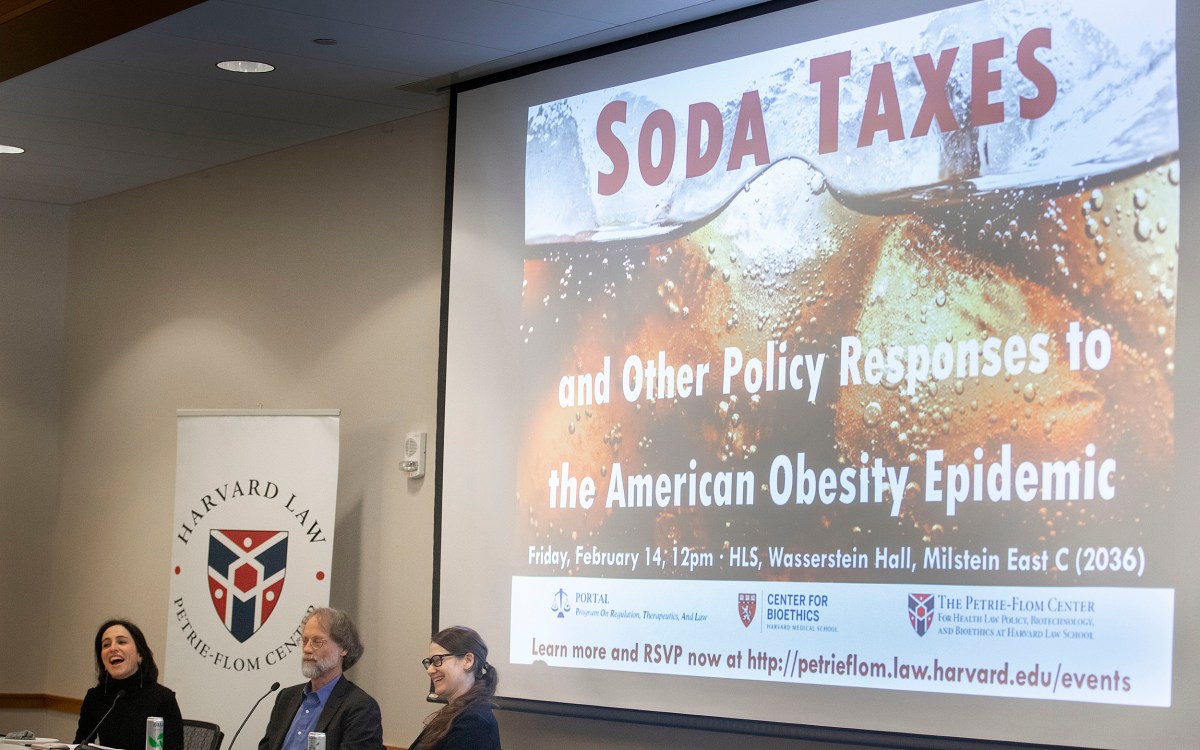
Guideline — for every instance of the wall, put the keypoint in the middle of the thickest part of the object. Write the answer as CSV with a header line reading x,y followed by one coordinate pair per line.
x,y
33,263
308,278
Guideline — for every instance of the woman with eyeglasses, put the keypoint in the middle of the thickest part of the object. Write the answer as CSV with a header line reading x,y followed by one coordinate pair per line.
x,y
460,675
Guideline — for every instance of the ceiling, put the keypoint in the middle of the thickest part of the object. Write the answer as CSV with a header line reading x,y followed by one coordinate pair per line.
x,y
100,109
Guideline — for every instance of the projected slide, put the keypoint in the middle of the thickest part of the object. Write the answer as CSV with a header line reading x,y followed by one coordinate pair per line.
x,y
851,363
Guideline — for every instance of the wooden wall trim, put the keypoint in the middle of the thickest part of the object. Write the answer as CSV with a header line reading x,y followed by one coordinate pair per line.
x,y
41,701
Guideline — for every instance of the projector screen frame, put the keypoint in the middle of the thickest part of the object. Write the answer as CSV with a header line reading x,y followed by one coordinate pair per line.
x,y
836,735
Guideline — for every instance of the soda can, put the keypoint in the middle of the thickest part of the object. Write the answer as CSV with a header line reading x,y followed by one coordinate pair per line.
x,y
154,733
316,741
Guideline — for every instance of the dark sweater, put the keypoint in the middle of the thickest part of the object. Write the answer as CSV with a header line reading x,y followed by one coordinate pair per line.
x,y
125,727
473,729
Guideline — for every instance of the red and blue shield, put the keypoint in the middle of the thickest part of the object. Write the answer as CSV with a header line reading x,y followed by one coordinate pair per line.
x,y
245,577
920,612
747,603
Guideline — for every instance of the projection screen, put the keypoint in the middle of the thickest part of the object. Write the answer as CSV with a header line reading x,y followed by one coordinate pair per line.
x,y
819,369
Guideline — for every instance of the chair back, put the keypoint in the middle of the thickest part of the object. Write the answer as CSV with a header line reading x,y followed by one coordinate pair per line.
x,y
201,735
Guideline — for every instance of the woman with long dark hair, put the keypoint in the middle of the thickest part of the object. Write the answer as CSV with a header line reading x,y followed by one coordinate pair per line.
x,y
126,693
460,674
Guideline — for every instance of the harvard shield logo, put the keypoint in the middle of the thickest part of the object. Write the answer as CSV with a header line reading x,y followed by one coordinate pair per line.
x,y
245,577
747,603
920,612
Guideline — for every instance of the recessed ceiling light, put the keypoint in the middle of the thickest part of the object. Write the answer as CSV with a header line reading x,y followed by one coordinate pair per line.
x,y
245,66
11,149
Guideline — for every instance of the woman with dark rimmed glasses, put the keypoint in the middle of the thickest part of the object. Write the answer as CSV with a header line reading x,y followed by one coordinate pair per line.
x,y
460,675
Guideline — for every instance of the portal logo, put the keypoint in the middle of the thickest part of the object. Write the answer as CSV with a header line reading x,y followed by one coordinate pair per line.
x,y
747,604
246,570
561,603
920,612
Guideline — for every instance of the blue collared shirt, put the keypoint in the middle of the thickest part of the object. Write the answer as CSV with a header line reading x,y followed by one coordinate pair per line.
x,y
306,716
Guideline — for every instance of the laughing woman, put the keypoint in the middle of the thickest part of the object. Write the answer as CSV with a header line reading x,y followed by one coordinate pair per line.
x,y
127,683
458,669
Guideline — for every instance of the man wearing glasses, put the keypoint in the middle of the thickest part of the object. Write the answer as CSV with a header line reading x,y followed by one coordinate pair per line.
x,y
328,702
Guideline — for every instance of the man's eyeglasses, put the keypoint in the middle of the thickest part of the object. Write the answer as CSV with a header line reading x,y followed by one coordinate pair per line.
x,y
437,659
316,643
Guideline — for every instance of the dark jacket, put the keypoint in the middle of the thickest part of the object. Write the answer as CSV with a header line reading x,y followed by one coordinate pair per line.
x,y
473,729
350,720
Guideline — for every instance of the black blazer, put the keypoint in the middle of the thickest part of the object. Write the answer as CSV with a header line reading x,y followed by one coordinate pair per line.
x,y
350,720
473,729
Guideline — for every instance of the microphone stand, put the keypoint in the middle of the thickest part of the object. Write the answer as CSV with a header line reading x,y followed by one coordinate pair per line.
x,y
273,688
92,734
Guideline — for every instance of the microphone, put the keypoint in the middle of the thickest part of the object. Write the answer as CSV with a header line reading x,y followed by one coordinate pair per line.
x,y
92,734
273,688
432,697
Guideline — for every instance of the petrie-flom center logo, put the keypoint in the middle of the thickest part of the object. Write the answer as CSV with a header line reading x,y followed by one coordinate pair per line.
x,y
246,571
920,612
237,546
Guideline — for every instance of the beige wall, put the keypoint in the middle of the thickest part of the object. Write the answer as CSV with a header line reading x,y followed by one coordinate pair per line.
x,y
308,278
33,262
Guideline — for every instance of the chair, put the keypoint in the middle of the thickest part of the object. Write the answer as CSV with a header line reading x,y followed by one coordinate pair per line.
x,y
201,735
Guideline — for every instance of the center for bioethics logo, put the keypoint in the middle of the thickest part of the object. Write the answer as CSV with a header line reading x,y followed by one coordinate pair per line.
x,y
246,571
920,612
747,604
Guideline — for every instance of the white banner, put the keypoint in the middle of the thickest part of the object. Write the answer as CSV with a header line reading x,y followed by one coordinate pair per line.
x,y
1096,645
255,495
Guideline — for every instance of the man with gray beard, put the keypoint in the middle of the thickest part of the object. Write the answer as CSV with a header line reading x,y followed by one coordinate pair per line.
x,y
328,702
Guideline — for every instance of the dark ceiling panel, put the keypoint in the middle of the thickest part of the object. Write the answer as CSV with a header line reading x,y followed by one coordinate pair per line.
x,y
36,32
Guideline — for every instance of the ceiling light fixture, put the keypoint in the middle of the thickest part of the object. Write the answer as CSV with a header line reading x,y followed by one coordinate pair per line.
x,y
245,66
11,149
